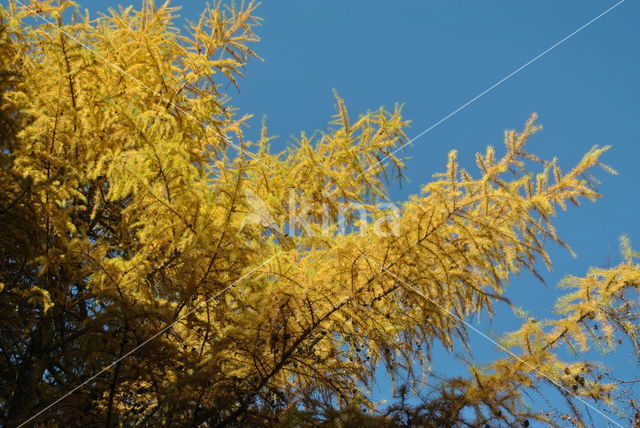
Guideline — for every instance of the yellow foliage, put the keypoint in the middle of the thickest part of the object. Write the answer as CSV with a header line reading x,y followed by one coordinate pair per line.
x,y
124,214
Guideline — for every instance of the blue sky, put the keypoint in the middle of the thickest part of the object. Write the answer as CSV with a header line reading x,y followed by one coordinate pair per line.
x,y
434,56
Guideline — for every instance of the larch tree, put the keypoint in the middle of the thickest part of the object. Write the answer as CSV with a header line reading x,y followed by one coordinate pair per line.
x,y
141,286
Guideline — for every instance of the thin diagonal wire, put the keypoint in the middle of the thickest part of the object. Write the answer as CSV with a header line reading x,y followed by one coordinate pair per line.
x,y
495,85
108,367
135,79
382,160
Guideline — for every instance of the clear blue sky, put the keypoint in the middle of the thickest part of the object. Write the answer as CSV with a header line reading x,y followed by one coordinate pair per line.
x,y
433,56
